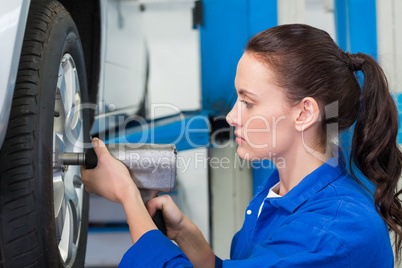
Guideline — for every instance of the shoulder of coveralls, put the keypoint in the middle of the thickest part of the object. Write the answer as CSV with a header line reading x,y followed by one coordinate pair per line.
x,y
345,210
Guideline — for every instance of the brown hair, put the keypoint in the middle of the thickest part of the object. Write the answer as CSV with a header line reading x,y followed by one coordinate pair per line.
x,y
308,63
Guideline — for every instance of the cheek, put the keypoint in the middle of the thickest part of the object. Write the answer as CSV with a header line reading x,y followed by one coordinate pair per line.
x,y
264,135
266,131
257,132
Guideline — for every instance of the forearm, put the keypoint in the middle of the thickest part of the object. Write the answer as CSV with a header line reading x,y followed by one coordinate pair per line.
x,y
138,218
194,246
188,237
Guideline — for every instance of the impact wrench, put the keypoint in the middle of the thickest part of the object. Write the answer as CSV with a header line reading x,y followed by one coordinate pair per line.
x,y
151,166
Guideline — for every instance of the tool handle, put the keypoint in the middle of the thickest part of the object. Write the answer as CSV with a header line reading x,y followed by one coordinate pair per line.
x,y
159,221
91,160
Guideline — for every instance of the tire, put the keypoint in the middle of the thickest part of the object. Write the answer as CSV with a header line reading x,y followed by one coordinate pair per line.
x,y
43,204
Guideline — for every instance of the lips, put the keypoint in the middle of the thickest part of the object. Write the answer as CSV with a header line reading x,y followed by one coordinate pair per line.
x,y
239,139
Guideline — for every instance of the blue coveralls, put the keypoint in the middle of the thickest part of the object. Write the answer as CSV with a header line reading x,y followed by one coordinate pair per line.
x,y
327,220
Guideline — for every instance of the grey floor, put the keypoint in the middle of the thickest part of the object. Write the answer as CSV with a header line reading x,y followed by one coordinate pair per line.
x,y
105,249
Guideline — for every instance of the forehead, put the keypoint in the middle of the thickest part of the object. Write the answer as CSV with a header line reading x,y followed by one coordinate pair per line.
x,y
254,75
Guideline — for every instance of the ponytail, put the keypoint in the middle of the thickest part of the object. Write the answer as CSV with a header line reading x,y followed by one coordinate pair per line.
x,y
374,148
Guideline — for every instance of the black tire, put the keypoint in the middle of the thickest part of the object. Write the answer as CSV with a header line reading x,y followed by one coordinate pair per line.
x,y
30,230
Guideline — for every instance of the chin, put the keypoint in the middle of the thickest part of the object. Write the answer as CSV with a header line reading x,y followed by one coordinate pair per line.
x,y
243,154
250,155
247,154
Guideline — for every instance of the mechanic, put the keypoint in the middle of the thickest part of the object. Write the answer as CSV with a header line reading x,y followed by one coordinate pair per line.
x,y
311,212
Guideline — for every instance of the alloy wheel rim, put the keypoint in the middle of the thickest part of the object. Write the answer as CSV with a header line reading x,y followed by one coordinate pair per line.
x,y
68,136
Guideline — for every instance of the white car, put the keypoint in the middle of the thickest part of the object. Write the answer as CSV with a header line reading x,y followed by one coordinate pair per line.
x,y
66,64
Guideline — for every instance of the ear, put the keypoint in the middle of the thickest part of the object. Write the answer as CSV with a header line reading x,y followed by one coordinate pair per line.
x,y
307,113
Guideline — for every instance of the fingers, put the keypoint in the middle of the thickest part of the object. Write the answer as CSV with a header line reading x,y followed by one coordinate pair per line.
x,y
102,152
99,147
88,175
153,205
157,203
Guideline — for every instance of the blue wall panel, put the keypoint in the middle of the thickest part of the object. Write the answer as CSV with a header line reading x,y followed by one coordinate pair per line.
x,y
363,26
263,14
226,28
356,26
341,19
224,33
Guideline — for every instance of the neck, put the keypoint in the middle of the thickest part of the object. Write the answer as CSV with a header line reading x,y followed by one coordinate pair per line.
x,y
298,164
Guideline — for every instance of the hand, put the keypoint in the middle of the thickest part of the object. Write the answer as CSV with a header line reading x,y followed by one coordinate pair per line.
x,y
172,215
182,230
110,179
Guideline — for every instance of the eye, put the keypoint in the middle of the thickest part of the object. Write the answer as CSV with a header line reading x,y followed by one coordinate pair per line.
x,y
248,105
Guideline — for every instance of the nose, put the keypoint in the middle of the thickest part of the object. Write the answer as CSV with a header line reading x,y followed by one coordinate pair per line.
x,y
233,116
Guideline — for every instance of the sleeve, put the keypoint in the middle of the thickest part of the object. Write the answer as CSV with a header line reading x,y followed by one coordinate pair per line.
x,y
153,249
145,254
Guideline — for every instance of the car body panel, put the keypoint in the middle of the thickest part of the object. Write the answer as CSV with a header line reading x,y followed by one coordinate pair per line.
x,y
13,17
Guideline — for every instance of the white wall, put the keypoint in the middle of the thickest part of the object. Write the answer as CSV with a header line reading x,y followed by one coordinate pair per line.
x,y
317,13
389,36
175,61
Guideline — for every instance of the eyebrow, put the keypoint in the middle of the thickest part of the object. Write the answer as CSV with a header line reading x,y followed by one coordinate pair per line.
x,y
245,92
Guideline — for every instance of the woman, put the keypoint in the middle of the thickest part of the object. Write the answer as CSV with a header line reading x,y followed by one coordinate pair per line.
x,y
294,84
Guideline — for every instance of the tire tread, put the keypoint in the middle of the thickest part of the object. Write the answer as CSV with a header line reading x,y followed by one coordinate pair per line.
x,y
21,238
